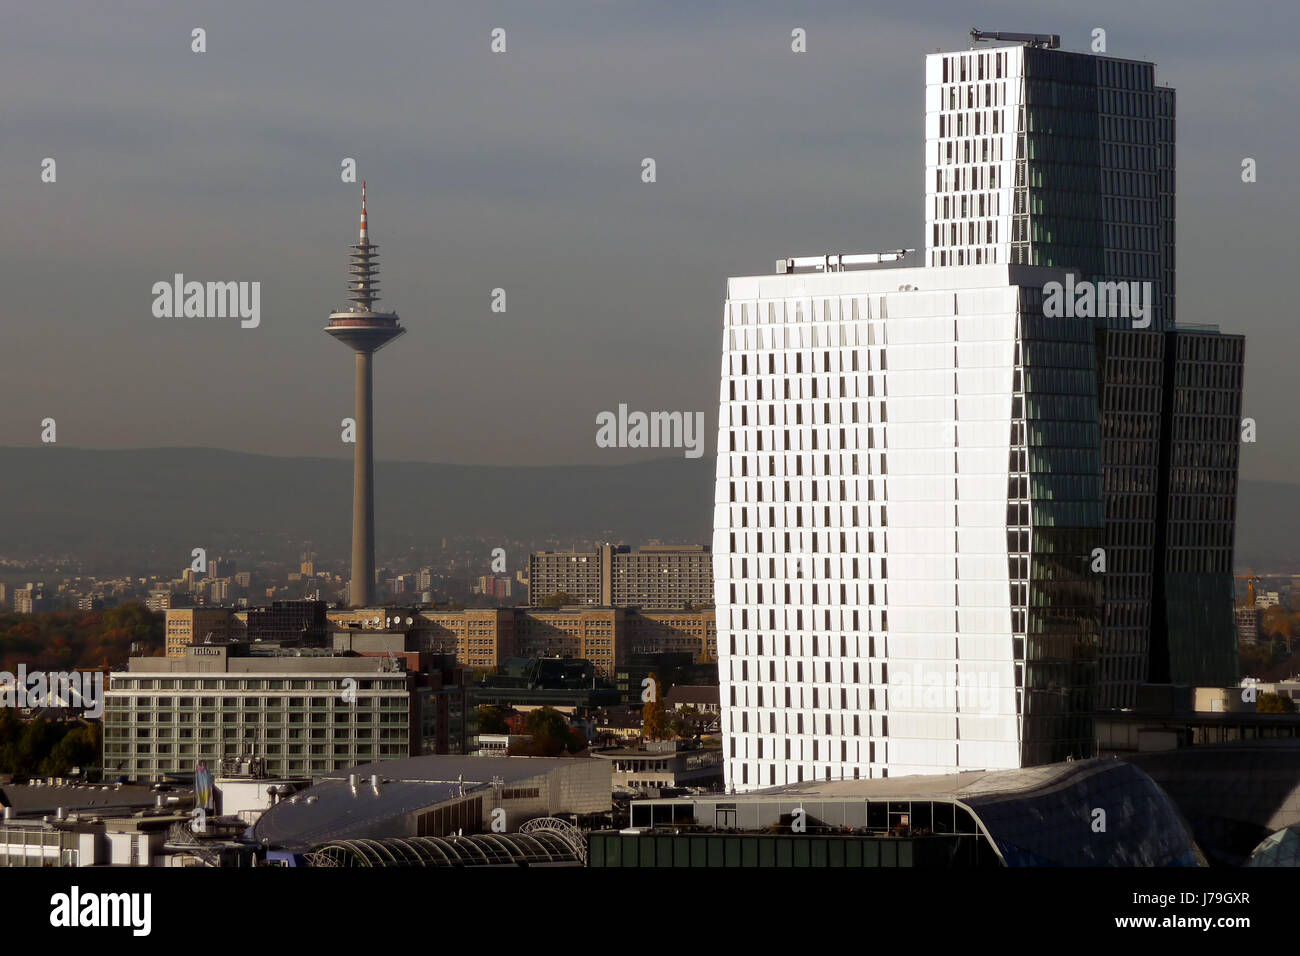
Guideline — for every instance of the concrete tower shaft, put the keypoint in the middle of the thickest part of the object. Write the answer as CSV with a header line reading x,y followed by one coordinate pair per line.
x,y
365,331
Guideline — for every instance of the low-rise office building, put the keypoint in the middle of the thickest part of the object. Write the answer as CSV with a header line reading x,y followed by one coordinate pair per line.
x,y
1026,817
664,765
303,711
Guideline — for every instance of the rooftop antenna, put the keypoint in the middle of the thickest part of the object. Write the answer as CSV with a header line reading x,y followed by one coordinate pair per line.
x,y
838,263
1044,41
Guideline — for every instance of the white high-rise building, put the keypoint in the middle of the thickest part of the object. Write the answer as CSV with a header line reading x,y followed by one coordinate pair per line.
x,y
1053,158
908,495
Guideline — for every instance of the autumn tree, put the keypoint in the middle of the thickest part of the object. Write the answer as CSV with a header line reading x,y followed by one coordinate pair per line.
x,y
654,718
549,730
1274,704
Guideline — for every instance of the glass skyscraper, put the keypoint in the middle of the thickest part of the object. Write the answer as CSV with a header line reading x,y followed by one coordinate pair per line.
x,y
950,522
1053,158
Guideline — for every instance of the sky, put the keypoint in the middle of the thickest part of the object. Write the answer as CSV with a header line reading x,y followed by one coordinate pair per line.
x,y
522,171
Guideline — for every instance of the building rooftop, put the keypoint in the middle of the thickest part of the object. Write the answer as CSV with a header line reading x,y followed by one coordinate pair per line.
x,y
912,280
333,809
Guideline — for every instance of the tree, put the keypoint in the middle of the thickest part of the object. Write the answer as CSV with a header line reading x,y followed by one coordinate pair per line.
x,y
79,748
558,599
11,729
685,722
38,739
492,720
654,719
1274,704
577,742
549,730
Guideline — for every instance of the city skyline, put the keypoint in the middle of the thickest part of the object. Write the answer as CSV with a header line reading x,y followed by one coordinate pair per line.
x,y
479,208
808,456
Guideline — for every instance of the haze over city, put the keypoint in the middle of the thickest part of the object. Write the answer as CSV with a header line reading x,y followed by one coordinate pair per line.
x,y
522,172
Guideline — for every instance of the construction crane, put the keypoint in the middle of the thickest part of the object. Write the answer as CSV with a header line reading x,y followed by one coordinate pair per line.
x,y
1254,579
1044,41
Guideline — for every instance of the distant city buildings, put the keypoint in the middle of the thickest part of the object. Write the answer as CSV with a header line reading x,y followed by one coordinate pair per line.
x,y
653,577
32,598
478,638
1249,621
481,638
497,586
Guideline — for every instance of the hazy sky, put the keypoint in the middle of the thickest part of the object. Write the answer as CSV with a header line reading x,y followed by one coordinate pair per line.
x,y
522,171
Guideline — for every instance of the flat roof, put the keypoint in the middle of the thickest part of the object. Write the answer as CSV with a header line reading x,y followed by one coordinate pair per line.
x,y
922,279
979,785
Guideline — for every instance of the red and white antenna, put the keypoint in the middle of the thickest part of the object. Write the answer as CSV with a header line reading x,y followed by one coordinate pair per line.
x,y
364,232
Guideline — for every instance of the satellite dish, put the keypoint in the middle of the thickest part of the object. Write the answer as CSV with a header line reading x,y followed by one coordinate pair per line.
x,y
410,620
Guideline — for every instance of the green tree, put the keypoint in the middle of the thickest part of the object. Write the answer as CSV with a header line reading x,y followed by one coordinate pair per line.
x,y
35,744
549,730
78,748
11,730
684,722
491,720
558,599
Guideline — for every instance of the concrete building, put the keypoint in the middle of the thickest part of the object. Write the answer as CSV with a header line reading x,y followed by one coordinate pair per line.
x,y
301,712
32,599
482,638
664,765
1249,620
654,577
192,625
575,573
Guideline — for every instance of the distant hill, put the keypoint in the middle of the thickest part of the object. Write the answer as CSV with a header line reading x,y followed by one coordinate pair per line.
x,y
142,507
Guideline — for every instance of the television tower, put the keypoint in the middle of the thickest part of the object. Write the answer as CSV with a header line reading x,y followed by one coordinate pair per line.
x,y
365,331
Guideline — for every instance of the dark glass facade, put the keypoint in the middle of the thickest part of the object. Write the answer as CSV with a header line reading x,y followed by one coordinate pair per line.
x,y
1057,467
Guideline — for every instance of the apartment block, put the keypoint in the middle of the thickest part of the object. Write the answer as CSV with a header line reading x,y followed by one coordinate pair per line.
x,y
653,577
